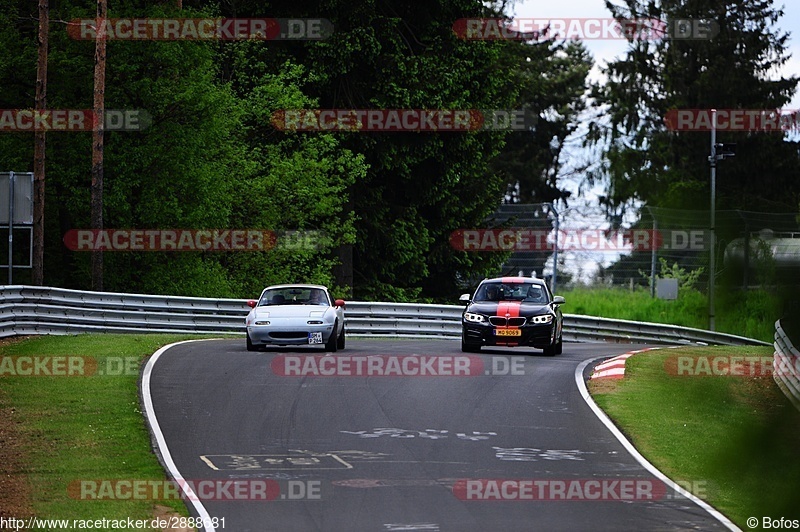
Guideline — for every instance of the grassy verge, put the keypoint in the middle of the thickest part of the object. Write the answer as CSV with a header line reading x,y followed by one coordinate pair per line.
x,y
750,314
84,426
736,437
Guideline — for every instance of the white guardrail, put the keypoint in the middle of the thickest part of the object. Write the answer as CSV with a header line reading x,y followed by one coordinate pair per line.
x,y
30,310
786,365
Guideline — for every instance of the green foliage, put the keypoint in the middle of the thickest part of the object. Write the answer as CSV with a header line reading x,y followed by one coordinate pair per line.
x,y
686,280
751,314
736,69
763,262
531,161
212,159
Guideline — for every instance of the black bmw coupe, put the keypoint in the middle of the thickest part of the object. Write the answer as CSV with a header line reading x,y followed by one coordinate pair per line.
x,y
512,311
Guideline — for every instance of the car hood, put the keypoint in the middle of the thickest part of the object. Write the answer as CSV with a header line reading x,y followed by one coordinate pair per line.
x,y
290,311
491,308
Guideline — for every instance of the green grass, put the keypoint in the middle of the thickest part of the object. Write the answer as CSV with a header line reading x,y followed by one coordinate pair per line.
x,y
737,437
750,314
76,428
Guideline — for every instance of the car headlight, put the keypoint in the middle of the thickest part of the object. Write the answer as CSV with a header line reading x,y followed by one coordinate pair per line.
x,y
538,320
315,322
475,318
261,323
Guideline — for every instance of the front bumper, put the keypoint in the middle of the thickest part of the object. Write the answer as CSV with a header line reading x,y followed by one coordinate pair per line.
x,y
288,334
485,334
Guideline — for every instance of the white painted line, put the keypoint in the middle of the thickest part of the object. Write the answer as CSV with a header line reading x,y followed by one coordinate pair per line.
x,y
635,453
162,444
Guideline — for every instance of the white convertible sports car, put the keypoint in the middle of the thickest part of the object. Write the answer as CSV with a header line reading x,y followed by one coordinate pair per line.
x,y
296,314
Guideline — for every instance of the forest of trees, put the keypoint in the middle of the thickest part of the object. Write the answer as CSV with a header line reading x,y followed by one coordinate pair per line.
x,y
386,202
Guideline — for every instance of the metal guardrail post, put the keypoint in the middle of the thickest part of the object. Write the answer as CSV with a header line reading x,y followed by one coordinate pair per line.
x,y
786,366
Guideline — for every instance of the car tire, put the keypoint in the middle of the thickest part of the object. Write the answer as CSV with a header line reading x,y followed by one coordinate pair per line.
x,y
333,341
559,347
250,346
340,341
468,348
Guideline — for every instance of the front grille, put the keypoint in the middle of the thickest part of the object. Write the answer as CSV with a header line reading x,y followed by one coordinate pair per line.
x,y
502,322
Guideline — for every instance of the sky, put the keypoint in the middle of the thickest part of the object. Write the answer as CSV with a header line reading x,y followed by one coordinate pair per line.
x,y
605,50
584,211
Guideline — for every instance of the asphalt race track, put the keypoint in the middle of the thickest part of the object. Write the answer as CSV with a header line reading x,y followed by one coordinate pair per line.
x,y
411,452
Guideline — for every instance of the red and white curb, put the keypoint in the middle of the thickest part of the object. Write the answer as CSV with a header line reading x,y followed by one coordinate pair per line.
x,y
614,368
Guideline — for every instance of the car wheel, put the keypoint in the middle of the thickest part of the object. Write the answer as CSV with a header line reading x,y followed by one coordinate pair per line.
x,y
333,340
340,341
250,346
467,348
559,346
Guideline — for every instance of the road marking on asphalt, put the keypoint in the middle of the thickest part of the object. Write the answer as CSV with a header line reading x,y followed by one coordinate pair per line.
x,y
209,463
433,527
430,434
273,462
349,455
530,454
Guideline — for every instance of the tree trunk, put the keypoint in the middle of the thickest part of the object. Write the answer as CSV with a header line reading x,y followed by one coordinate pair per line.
x,y
97,140
39,146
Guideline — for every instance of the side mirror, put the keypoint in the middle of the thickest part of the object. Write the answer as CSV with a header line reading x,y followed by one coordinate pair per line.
x,y
252,303
339,303
558,300
464,298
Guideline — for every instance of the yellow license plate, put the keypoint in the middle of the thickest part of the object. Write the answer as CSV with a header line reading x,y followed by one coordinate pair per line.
x,y
507,332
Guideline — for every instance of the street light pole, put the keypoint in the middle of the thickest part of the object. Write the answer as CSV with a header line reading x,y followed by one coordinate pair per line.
x,y
712,262
555,250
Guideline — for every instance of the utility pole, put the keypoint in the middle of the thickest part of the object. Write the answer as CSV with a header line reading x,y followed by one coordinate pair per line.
x,y
555,250
653,259
718,152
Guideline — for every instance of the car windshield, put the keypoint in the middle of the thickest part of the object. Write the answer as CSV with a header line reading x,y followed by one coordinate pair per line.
x,y
294,296
524,292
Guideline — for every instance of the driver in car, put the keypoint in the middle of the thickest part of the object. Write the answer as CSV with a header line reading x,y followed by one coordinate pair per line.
x,y
535,295
317,298
492,293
